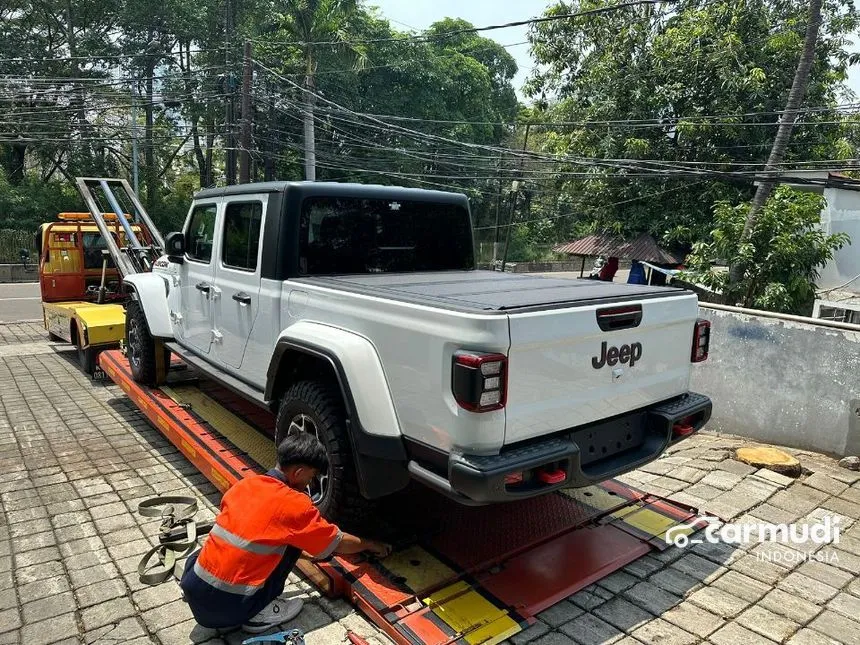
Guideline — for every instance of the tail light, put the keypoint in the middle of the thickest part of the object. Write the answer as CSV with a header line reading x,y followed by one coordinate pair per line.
x,y
701,340
479,381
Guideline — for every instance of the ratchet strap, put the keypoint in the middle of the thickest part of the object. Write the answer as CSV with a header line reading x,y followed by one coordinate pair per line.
x,y
177,537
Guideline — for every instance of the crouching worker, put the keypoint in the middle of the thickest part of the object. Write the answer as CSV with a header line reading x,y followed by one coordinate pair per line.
x,y
265,522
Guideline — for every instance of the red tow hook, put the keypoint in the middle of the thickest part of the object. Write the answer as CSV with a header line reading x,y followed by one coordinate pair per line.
x,y
682,430
552,476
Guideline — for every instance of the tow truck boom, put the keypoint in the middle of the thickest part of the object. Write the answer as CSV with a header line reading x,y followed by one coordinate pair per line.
x,y
135,257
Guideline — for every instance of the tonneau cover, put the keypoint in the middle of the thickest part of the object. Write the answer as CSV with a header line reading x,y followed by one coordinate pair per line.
x,y
490,291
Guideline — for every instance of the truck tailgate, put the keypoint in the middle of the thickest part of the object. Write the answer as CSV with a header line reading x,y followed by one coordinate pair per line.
x,y
565,371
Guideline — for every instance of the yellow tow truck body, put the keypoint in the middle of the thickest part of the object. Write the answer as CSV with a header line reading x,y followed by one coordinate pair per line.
x,y
72,271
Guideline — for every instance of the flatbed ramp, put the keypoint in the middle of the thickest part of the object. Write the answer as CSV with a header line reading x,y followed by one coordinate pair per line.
x,y
457,574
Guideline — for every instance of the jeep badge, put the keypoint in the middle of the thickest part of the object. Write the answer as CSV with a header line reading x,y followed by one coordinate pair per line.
x,y
614,355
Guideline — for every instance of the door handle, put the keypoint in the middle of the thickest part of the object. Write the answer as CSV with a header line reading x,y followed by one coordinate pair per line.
x,y
242,298
202,286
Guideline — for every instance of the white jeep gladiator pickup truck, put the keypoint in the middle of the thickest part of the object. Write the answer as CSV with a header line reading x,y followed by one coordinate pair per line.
x,y
356,313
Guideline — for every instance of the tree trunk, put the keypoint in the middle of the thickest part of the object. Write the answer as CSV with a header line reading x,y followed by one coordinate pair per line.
x,y
198,151
269,163
79,98
15,163
310,134
149,135
783,133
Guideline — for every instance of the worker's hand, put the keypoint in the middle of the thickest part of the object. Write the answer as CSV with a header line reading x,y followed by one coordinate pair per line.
x,y
378,549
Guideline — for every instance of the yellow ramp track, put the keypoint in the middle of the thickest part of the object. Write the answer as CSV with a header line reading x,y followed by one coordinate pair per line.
x,y
469,613
246,438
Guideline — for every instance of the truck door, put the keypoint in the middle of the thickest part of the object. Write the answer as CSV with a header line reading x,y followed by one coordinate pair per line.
x,y
197,275
237,276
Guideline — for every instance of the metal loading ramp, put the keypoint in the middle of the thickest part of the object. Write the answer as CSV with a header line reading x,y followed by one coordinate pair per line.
x,y
457,574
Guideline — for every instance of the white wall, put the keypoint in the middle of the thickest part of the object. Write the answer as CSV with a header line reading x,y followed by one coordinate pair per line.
x,y
842,215
782,381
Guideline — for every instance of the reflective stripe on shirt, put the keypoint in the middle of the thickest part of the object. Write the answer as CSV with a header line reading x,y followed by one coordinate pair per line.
x,y
331,547
247,545
241,590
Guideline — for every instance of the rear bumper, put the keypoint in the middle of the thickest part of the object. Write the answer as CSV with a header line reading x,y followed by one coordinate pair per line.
x,y
579,457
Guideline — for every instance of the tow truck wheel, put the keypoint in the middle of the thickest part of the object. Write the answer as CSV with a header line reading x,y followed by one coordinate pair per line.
x,y
317,408
87,359
140,345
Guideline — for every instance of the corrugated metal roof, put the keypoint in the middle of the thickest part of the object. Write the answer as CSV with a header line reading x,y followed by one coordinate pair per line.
x,y
642,248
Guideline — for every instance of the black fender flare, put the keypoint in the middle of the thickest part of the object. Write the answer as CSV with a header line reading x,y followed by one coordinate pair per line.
x,y
380,462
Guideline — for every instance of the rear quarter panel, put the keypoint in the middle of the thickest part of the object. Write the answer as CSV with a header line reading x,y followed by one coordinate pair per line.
x,y
415,344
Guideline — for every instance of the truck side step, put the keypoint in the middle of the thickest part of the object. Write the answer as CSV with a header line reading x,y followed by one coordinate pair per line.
x,y
233,384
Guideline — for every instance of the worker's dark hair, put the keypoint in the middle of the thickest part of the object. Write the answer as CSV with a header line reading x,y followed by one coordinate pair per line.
x,y
304,449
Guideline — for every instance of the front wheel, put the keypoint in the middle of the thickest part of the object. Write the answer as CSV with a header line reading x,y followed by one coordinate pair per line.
x,y
317,408
143,350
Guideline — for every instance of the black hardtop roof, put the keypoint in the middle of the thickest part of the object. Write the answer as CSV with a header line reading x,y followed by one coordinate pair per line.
x,y
335,189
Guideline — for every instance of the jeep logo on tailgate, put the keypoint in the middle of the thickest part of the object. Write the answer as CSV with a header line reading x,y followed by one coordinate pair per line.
x,y
614,355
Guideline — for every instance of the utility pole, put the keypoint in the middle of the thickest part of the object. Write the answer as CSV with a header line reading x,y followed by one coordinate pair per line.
x,y
229,106
498,212
269,162
309,126
245,140
135,153
515,188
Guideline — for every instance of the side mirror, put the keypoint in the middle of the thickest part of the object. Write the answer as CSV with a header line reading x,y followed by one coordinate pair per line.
x,y
174,246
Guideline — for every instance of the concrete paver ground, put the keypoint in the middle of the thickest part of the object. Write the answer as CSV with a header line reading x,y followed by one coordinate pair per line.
x,y
76,457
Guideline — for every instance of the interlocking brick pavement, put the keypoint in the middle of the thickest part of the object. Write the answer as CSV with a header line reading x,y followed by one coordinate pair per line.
x,y
76,457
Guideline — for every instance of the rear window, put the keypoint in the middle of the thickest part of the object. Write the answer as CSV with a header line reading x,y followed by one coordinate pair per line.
x,y
94,244
354,236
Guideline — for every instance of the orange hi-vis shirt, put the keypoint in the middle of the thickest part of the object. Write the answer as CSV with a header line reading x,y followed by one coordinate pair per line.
x,y
261,516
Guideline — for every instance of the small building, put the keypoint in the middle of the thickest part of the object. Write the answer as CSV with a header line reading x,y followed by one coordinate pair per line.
x,y
841,214
642,249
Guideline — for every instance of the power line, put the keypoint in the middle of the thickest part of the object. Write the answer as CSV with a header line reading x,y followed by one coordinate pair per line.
x,y
471,30
663,168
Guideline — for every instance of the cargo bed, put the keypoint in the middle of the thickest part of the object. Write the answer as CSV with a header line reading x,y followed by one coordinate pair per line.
x,y
490,291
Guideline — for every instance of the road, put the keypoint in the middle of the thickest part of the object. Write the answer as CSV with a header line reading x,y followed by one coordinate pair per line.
x,y
20,301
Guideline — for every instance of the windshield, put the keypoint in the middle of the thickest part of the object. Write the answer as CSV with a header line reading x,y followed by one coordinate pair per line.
x,y
350,236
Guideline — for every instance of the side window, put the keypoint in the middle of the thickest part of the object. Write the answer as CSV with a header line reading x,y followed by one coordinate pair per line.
x,y
200,233
242,235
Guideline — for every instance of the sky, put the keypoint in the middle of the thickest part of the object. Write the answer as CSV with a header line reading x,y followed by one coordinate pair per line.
x,y
420,14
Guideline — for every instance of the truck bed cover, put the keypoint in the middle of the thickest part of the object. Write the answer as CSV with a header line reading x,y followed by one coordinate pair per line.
x,y
490,291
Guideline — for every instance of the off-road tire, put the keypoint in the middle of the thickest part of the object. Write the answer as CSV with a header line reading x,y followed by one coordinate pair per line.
x,y
343,503
141,347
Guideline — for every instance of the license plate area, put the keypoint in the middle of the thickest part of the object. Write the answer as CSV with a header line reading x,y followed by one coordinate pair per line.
x,y
610,438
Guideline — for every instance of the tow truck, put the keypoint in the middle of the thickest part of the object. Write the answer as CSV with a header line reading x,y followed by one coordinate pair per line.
x,y
458,573
82,299
83,258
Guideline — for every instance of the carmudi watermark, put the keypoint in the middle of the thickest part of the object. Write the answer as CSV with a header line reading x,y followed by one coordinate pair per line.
x,y
803,534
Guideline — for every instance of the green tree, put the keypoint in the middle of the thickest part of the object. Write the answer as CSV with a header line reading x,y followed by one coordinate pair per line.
x,y
313,25
46,85
782,257
786,122
696,83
